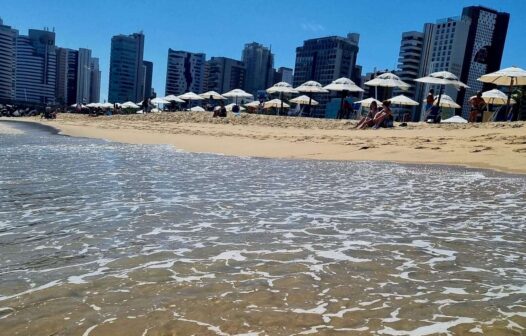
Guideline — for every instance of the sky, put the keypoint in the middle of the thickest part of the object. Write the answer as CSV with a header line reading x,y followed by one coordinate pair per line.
x,y
222,27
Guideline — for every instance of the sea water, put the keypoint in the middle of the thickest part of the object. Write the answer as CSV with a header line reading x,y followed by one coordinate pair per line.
x,y
102,238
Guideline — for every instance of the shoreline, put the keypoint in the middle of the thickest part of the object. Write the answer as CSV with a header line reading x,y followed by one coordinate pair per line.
x,y
498,147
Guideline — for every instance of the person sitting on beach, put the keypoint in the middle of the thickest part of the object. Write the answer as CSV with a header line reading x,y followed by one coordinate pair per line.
x,y
373,109
382,116
477,106
235,109
220,112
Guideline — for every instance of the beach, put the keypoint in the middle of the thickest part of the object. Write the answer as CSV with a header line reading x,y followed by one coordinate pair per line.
x,y
498,146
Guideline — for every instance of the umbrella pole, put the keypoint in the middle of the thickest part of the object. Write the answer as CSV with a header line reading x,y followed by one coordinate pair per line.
x,y
280,98
310,107
340,112
508,103
439,97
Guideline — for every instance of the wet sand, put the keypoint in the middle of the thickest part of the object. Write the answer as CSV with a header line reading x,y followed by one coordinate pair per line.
x,y
499,146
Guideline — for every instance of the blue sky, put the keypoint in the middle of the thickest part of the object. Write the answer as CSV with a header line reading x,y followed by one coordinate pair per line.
x,y
221,27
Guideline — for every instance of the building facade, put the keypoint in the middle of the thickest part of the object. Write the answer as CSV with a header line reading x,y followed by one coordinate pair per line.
x,y
126,82
410,57
324,60
484,48
94,91
7,61
185,72
36,67
259,63
83,76
148,74
224,74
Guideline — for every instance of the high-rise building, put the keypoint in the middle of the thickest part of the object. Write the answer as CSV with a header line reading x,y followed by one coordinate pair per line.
x,y
484,48
283,74
126,81
7,61
83,76
36,67
185,72
259,63
94,91
148,74
224,74
326,59
409,60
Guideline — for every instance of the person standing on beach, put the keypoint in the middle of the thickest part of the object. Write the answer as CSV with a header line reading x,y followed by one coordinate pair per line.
x,y
430,99
477,106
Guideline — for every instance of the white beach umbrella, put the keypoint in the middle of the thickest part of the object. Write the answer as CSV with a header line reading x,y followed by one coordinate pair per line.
x,y
230,106
311,87
367,102
281,88
455,120
446,101
173,98
343,85
495,97
442,78
510,77
388,80
159,100
255,103
304,100
93,105
237,93
190,96
197,109
275,103
129,104
211,95
106,105
403,100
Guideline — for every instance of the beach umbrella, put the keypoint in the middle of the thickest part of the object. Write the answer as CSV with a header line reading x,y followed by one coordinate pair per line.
x,y
197,109
311,87
367,102
129,104
255,103
230,106
510,77
275,103
158,101
403,100
190,96
388,80
304,100
455,120
442,78
281,88
446,101
343,85
106,105
211,95
173,98
237,93
496,97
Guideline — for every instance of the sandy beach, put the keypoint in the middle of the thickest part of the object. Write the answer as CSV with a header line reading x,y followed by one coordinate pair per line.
x,y
498,146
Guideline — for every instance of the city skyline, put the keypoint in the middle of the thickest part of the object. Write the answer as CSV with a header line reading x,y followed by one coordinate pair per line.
x,y
379,41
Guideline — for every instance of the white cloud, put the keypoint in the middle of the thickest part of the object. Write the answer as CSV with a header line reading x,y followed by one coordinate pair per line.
x,y
313,27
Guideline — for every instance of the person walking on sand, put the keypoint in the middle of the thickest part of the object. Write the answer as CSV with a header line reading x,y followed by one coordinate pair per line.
x,y
477,106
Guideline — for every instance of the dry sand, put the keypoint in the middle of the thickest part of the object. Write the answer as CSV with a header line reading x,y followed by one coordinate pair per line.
x,y
498,146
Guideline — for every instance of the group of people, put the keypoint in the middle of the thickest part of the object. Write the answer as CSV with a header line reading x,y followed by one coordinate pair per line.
x,y
477,106
377,118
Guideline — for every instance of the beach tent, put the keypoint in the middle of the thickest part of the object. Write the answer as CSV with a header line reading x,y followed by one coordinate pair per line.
x,y
455,120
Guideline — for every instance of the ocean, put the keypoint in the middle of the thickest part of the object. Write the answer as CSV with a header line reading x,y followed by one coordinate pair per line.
x,y
103,238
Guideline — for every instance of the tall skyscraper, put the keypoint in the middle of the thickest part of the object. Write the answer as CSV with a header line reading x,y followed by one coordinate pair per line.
x,y
83,76
94,91
185,72
148,73
7,61
259,63
286,75
484,48
126,68
36,67
410,57
324,60
224,74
